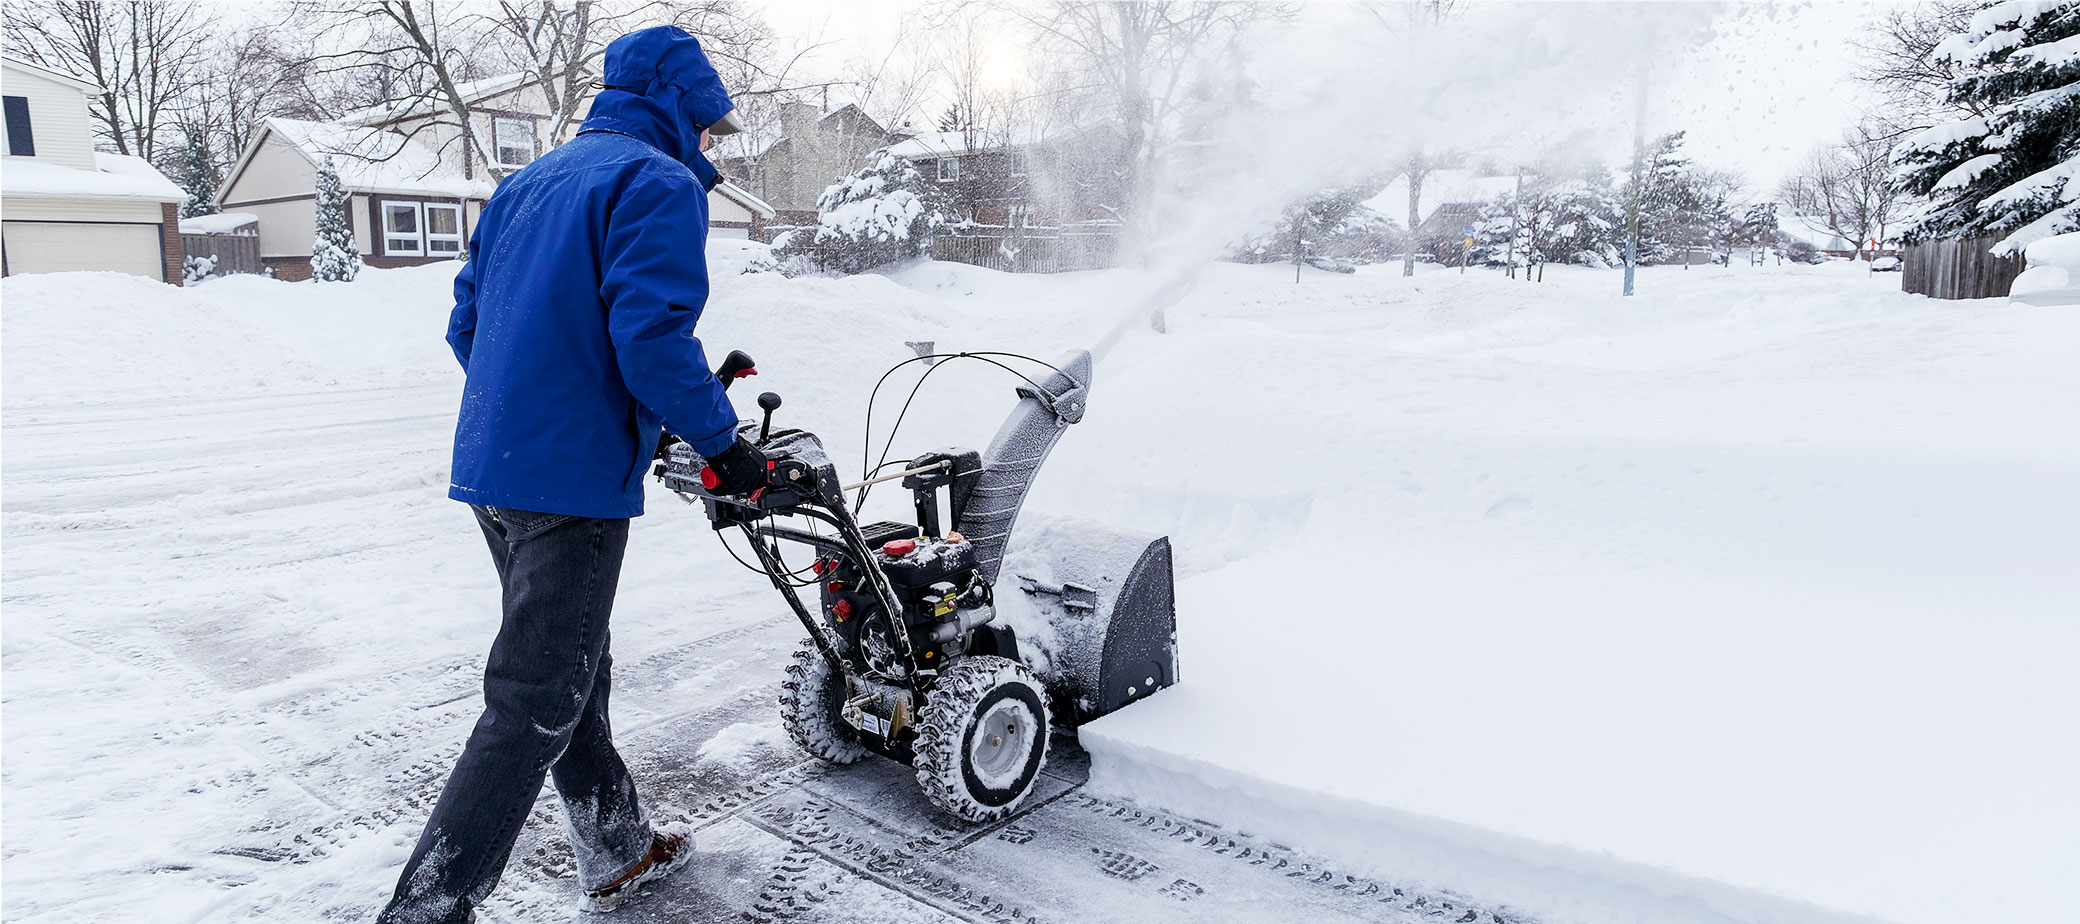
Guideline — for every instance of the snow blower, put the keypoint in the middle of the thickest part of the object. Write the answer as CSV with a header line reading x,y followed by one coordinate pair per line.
x,y
911,653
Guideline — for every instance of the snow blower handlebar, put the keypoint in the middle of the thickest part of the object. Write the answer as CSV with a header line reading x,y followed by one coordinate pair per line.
x,y
736,365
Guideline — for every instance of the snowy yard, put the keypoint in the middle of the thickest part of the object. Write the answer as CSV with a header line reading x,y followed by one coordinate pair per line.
x,y
1748,599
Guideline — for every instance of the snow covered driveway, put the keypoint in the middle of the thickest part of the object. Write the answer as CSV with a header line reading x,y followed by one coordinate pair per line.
x,y
1746,600
242,649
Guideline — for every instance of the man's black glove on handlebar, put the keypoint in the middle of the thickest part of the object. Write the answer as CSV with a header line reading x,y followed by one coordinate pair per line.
x,y
736,470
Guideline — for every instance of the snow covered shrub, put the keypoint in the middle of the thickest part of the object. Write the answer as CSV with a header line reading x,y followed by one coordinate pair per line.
x,y
884,213
2014,169
334,257
198,268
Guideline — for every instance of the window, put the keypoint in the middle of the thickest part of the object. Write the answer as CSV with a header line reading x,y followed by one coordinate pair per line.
x,y
401,229
443,229
1018,163
21,142
422,229
949,168
513,140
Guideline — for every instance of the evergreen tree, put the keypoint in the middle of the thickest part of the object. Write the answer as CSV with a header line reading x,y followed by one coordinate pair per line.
x,y
1578,220
197,175
1757,228
334,258
884,213
2015,170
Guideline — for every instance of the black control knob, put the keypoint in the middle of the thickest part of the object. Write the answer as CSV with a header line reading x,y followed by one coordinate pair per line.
x,y
770,401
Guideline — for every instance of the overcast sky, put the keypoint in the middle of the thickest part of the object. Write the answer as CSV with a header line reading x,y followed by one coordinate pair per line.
x,y
1771,81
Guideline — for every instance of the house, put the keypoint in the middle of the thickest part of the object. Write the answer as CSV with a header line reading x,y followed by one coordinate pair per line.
x,y
406,204
790,160
415,190
1451,201
1813,230
1018,175
65,206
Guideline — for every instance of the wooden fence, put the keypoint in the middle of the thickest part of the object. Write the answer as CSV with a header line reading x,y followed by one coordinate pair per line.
x,y
1011,250
1958,269
235,253
1029,249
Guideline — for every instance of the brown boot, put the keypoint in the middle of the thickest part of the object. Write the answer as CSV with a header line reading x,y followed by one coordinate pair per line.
x,y
668,852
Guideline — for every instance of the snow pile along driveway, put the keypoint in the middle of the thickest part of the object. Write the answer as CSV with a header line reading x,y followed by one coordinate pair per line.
x,y
1752,599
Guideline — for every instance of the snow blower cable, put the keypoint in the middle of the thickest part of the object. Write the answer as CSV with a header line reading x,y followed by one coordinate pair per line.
x,y
867,438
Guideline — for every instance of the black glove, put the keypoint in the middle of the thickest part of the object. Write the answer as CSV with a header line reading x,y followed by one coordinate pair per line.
x,y
736,470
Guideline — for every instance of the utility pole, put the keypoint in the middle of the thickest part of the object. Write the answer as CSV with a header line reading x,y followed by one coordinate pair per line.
x,y
1510,254
1639,150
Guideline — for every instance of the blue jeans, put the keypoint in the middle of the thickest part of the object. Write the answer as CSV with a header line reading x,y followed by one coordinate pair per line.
x,y
545,712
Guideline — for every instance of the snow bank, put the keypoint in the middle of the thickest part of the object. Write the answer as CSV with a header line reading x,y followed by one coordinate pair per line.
x,y
2053,276
80,337
1740,601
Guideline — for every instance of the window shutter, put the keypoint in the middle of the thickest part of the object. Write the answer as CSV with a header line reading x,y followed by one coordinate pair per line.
x,y
21,141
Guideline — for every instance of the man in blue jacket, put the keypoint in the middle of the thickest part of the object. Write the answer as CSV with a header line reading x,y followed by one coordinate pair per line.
x,y
574,321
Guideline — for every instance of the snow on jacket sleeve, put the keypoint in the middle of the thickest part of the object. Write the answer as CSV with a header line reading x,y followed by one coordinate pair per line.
x,y
462,325
654,280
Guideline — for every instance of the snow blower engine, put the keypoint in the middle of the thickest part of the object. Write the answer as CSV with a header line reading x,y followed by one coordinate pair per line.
x,y
914,652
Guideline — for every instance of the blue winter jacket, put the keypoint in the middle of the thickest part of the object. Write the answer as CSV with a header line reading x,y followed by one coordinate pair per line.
x,y
574,316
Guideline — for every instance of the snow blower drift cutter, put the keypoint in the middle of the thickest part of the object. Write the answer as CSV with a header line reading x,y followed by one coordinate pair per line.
x,y
913,653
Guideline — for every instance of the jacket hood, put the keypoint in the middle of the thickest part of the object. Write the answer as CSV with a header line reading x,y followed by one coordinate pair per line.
x,y
661,88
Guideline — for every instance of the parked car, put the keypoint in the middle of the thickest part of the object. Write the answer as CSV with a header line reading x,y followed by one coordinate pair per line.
x,y
1886,265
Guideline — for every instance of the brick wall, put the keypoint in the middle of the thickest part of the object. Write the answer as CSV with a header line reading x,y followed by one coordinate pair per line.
x,y
298,269
170,240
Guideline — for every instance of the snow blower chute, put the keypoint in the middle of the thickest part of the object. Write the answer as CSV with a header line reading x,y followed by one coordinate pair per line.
x,y
911,652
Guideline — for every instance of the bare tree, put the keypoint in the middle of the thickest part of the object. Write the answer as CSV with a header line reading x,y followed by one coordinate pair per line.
x,y
1413,21
144,54
1849,186
1135,61
251,71
1899,61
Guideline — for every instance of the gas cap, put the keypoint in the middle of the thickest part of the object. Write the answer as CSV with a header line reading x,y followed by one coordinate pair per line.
x,y
898,548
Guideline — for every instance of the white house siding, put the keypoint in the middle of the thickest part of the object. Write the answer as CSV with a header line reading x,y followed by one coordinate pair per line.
x,y
277,170
440,133
41,208
286,228
727,218
58,121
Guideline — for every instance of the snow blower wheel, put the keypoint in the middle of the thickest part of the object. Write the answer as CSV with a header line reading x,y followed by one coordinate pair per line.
x,y
982,739
907,656
810,703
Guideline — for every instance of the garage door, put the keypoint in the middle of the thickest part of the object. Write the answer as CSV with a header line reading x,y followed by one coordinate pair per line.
x,y
63,246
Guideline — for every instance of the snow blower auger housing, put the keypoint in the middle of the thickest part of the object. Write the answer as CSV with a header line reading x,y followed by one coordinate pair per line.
x,y
909,653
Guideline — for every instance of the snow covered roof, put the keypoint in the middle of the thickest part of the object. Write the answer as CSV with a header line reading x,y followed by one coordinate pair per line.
x,y
220,223
115,176
940,144
743,197
374,159
471,90
752,143
57,75
1440,187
